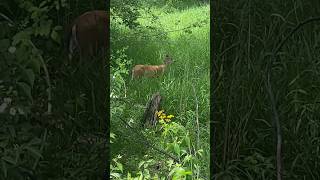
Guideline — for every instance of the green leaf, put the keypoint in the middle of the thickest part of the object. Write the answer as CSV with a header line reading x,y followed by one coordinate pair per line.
x,y
57,28
22,55
20,36
176,148
141,164
45,27
12,49
116,175
57,5
187,173
120,167
55,36
187,140
187,158
35,13
42,4
200,152
35,65
26,89
28,76
112,135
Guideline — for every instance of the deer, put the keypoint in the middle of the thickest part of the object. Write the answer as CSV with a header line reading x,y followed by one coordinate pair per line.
x,y
150,71
88,34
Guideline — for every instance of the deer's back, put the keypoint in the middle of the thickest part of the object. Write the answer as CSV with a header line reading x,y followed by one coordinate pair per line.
x,y
92,29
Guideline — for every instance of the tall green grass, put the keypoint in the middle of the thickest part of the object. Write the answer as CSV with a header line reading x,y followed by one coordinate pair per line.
x,y
185,80
246,142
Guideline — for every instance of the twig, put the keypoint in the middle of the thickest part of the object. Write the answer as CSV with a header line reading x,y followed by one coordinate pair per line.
x,y
295,30
93,97
41,149
278,128
125,89
49,90
197,115
47,78
158,34
147,143
10,22
271,95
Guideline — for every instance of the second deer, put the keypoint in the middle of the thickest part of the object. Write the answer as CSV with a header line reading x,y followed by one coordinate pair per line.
x,y
151,70
88,34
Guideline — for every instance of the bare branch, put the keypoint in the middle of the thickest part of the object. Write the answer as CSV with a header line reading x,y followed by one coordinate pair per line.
x,y
271,96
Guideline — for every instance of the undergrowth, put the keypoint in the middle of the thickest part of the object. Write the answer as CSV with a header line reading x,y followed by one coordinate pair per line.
x,y
184,88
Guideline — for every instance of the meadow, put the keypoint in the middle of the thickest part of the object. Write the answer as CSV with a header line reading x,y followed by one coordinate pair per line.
x,y
183,33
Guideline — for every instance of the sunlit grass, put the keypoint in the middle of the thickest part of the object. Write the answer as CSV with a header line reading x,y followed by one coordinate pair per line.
x,y
185,83
179,19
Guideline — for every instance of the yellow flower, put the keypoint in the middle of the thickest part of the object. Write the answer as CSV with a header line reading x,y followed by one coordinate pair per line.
x,y
170,116
163,118
159,113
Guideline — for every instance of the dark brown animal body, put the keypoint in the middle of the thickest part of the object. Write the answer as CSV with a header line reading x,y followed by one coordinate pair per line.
x,y
88,34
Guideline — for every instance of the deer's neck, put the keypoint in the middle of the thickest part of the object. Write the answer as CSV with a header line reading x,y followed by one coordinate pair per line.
x,y
162,66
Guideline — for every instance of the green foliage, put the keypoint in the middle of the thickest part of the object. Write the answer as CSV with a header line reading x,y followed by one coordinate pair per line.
x,y
170,5
184,85
119,72
127,10
20,70
34,143
174,139
247,34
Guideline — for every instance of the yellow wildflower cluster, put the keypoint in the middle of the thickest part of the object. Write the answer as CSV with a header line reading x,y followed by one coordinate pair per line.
x,y
163,117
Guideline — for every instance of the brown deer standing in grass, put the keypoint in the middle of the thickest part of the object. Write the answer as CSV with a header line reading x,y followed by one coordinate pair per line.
x,y
151,70
88,36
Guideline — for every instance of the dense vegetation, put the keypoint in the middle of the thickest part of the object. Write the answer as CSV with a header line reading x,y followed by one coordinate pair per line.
x,y
246,34
48,128
50,131
180,29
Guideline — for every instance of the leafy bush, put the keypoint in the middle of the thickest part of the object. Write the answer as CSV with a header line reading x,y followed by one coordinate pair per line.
x,y
174,139
22,141
46,131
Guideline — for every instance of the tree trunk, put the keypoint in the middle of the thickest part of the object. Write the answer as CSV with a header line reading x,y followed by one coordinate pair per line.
x,y
150,117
